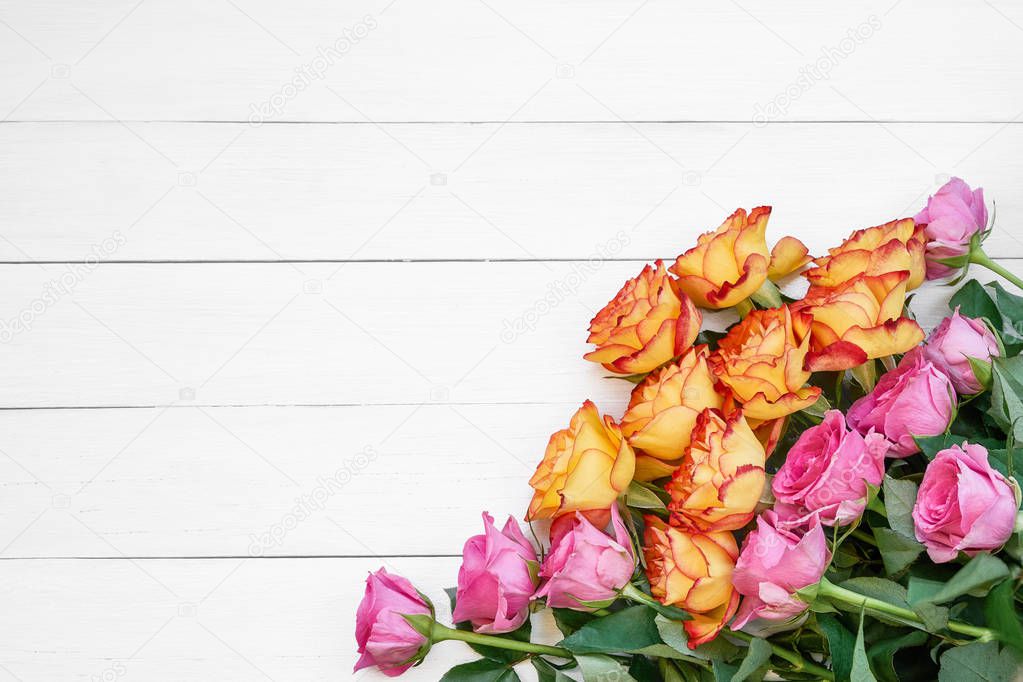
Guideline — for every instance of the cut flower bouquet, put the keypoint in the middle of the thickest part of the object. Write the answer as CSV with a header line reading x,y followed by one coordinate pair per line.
x,y
821,491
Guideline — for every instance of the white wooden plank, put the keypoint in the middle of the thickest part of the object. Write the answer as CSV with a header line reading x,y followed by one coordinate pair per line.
x,y
532,60
340,192
171,620
362,333
263,481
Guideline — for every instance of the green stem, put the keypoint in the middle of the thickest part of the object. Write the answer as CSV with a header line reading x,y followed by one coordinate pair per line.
x,y
632,592
864,536
441,633
980,258
798,662
854,602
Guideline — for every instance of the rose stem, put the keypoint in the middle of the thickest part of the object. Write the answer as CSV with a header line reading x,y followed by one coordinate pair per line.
x,y
797,661
980,258
853,601
441,633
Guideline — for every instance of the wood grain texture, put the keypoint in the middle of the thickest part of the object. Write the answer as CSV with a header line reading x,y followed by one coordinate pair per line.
x,y
466,60
284,620
315,334
458,191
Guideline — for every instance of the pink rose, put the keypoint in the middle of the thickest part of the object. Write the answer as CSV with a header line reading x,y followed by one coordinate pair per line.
x,y
587,565
774,563
954,340
496,580
826,472
963,505
914,399
950,220
386,640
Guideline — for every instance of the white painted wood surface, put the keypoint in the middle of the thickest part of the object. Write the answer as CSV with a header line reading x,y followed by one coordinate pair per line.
x,y
306,313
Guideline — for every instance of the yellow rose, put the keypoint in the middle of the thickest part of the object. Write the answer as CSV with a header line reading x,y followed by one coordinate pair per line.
x,y
663,409
585,468
693,571
729,264
645,325
857,321
719,482
894,246
761,361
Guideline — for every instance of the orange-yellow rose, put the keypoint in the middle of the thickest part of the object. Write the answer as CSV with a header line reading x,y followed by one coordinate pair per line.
x,y
894,246
721,477
692,571
585,468
761,361
857,321
663,411
645,325
729,264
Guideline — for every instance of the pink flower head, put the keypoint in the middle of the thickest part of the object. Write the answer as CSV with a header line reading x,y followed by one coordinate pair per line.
x,y
586,565
773,564
950,219
385,638
914,399
826,472
963,504
952,342
497,578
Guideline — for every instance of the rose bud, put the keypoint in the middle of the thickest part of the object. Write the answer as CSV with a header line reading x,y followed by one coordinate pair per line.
x,y
586,568
826,473
663,409
857,321
729,264
914,399
386,640
950,220
953,342
693,571
496,580
585,468
894,246
648,323
963,505
761,362
773,565
721,477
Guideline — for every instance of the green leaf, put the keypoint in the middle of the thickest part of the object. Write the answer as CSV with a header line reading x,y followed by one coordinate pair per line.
x,y
673,633
1001,616
974,301
979,662
882,654
860,663
483,670
601,668
569,620
897,550
629,630
522,634
983,571
840,645
545,672
899,498
1007,395
758,654
723,672
640,496
981,370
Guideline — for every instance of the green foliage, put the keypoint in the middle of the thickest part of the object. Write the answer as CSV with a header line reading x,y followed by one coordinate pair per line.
x,y
522,634
483,670
979,662
861,671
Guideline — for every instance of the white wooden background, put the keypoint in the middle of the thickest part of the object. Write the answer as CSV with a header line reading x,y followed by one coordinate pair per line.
x,y
326,291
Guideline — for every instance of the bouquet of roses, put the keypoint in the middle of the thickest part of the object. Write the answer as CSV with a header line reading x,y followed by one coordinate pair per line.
x,y
822,491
